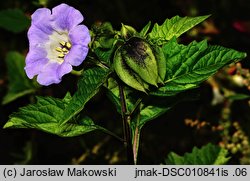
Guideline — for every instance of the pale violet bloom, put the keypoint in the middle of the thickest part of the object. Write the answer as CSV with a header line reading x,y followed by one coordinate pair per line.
x,y
56,43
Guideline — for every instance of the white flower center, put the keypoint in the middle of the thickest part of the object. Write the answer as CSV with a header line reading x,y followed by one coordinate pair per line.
x,y
58,46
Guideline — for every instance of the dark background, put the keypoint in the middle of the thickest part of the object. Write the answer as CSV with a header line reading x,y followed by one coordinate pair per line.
x,y
159,137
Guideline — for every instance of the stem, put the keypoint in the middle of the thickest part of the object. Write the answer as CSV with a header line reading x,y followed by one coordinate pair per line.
x,y
98,63
136,136
109,133
138,102
126,128
76,72
136,144
102,65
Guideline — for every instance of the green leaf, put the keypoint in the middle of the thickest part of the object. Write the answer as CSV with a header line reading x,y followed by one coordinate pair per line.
x,y
156,106
113,95
106,42
161,63
14,20
188,66
88,86
19,84
104,55
144,30
151,112
173,27
46,115
103,28
207,155
172,89
127,31
151,108
236,97
102,36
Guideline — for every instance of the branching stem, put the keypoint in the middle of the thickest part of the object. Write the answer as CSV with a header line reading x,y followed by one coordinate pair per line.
x,y
126,129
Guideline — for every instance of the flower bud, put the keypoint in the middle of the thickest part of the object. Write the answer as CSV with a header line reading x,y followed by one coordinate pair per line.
x,y
127,31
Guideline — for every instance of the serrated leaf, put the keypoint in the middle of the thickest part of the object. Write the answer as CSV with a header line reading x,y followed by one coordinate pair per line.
x,y
207,155
19,84
106,42
151,112
172,89
173,27
104,55
67,98
14,20
102,36
150,109
188,66
46,115
113,93
105,27
145,29
161,63
156,106
88,86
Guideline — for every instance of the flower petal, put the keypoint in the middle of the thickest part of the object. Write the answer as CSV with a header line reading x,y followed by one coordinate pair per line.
x,y
37,37
45,35
49,75
35,54
41,18
76,55
66,17
79,35
64,68
35,61
34,68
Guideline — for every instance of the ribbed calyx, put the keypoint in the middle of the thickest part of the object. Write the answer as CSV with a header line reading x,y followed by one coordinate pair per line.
x,y
140,64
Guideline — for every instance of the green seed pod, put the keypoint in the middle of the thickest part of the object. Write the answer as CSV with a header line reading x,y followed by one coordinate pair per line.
x,y
140,64
126,74
139,56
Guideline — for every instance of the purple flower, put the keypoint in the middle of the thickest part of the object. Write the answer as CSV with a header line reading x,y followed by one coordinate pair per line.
x,y
56,43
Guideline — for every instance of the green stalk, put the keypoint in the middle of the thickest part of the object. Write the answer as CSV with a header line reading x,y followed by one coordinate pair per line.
x,y
126,129
76,72
136,136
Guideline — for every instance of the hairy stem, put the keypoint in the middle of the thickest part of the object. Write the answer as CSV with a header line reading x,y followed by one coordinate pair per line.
x,y
126,128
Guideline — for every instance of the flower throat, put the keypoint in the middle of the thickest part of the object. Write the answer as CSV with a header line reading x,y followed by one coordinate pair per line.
x,y
63,49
